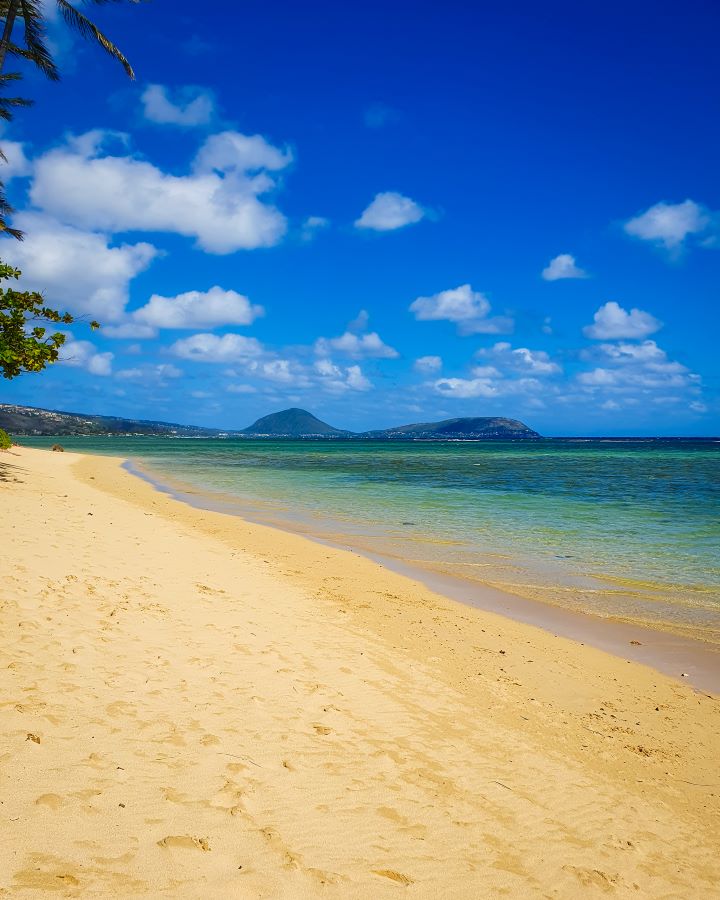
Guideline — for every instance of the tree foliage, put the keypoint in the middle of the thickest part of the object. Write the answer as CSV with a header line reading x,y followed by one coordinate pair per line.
x,y
33,15
26,343
5,440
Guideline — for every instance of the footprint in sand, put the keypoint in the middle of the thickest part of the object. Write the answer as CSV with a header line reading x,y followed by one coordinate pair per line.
x,y
184,841
120,708
54,801
393,876
322,729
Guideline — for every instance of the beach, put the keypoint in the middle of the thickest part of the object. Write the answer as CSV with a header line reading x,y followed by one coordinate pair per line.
x,y
193,705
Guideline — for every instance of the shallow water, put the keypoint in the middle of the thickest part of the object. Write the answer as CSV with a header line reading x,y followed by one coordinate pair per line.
x,y
627,530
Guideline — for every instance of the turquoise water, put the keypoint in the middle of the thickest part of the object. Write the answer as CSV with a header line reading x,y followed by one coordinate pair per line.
x,y
622,529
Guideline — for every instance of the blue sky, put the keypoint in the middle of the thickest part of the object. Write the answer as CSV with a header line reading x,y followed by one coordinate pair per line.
x,y
380,212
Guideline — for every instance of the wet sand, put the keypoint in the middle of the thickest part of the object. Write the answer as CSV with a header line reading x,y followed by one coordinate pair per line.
x,y
197,706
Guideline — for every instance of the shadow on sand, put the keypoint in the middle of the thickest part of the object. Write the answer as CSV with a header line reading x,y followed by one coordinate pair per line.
x,y
10,471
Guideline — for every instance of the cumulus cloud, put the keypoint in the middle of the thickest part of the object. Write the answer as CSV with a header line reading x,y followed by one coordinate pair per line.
x,y
535,362
16,164
256,363
612,321
337,379
77,270
464,388
198,309
85,355
669,224
193,107
219,203
562,266
358,346
460,304
355,380
467,308
637,368
428,364
506,371
389,211
217,348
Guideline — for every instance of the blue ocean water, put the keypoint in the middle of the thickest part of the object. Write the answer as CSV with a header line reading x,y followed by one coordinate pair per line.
x,y
625,529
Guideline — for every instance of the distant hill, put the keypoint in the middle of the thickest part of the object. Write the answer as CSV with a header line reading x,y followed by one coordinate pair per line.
x,y
293,423
289,423
463,428
31,420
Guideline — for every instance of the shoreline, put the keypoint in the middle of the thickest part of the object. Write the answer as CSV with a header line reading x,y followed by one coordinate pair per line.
x,y
194,705
663,650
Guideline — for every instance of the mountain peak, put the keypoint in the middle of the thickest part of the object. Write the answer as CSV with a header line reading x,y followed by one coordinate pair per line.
x,y
292,422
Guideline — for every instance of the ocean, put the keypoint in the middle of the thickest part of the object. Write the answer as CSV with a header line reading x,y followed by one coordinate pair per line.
x,y
627,530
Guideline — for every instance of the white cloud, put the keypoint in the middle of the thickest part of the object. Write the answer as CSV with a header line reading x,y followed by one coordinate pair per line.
x,y
194,106
312,225
669,224
369,346
461,304
217,349
562,266
388,211
467,308
241,389
511,372
219,203
612,321
230,151
637,368
198,309
129,330
464,388
698,407
355,379
16,164
535,362
647,353
360,322
336,379
77,270
280,371
150,372
85,355
598,377
486,372
428,364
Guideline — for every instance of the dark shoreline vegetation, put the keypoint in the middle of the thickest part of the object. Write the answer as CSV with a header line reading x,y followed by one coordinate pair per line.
x,y
290,423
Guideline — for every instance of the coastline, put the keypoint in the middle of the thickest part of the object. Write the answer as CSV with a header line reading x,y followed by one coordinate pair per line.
x,y
666,651
219,705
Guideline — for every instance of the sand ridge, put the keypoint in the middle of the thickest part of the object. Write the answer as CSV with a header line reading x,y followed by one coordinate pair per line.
x,y
192,706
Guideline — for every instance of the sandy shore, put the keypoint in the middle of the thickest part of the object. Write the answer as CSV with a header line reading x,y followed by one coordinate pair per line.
x,y
193,706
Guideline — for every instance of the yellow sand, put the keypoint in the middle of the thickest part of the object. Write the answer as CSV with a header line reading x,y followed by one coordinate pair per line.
x,y
191,706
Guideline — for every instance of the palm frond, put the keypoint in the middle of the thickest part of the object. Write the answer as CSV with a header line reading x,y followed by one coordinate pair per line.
x,y
87,29
34,21
7,210
8,103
